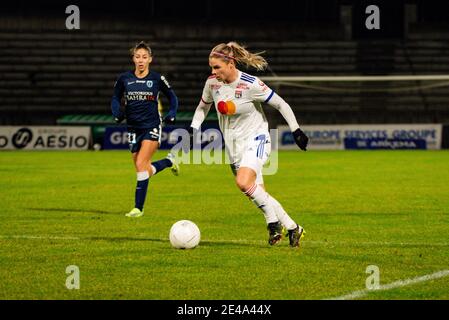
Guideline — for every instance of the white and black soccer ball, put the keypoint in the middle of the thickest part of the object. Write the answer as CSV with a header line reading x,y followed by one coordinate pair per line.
x,y
185,234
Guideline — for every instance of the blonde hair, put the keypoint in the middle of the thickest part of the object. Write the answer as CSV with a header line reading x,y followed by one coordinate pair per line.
x,y
140,45
234,51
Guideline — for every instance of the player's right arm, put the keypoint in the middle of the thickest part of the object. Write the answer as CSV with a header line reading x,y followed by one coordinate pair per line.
x,y
116,104
201,112
203,107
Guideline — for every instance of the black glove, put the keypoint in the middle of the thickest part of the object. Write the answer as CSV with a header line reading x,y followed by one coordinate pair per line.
x,y
169,120
120,118
192,136
301,139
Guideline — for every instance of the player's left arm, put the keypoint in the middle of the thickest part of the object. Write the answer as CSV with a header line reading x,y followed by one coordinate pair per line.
x,y
262,93
165,87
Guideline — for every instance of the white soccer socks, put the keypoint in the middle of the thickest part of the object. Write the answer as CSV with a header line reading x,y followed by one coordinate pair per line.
x,y
271,208
283,217
262,200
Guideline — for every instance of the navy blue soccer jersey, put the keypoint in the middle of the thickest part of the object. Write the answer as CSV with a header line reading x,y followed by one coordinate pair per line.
x,y
141,99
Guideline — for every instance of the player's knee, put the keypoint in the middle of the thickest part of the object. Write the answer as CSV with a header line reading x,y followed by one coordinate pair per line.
x,y
244,183
141,165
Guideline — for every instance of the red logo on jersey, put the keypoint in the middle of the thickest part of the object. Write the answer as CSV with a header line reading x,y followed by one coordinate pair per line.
x,y
226,107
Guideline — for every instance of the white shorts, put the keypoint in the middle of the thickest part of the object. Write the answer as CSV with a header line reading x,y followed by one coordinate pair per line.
x,y
252,153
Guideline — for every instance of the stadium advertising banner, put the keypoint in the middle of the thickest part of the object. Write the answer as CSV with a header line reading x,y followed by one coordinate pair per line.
x,y
117,137
383,136
44,138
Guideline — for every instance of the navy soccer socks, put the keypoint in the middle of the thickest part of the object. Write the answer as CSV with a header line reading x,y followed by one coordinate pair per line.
x,y
141,189
160,165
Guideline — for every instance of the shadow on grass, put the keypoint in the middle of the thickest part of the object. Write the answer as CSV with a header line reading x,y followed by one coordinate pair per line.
x,y
357,214
67,210
124,239
205,243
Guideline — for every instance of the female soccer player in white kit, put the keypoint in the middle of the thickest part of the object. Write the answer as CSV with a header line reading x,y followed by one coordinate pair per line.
x,y
237,97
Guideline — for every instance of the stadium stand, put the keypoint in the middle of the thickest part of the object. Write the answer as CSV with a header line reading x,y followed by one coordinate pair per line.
x,y
47,72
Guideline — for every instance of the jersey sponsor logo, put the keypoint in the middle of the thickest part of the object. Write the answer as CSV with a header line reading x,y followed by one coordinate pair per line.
x,y
238,94
139,96
165,81
243,86
140,81
149,83
226,107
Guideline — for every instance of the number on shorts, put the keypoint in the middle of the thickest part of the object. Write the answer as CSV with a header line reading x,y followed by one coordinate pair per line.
x,y
131,137
261,146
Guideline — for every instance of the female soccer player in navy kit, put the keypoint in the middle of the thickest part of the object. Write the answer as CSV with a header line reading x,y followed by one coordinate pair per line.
x,y
238,97
141,88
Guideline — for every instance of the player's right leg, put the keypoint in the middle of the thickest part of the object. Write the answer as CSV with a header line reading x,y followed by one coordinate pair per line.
x,y
141,158
253,159
246,181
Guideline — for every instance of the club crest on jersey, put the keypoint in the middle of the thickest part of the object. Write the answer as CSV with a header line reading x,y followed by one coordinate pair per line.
x,y
149,83
238,94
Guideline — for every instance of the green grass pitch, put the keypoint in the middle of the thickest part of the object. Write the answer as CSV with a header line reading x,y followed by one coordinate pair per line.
x,y
384,208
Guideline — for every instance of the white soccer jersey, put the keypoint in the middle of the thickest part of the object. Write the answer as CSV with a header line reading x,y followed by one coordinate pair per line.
x,y
238,105
240,114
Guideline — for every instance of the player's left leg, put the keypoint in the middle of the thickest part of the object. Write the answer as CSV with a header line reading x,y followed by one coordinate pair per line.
x,y
168,162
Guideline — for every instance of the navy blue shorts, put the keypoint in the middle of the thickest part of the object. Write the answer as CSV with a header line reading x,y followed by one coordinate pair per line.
x,y
136,136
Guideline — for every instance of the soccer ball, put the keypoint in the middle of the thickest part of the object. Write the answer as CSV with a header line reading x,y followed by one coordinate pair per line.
x,y
184,234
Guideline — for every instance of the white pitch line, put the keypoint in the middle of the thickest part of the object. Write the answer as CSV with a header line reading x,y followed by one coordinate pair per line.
x,y
394,285
243,241
38,237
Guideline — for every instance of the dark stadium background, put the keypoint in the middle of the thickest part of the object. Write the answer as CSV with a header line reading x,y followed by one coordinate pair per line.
x,y
48,72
